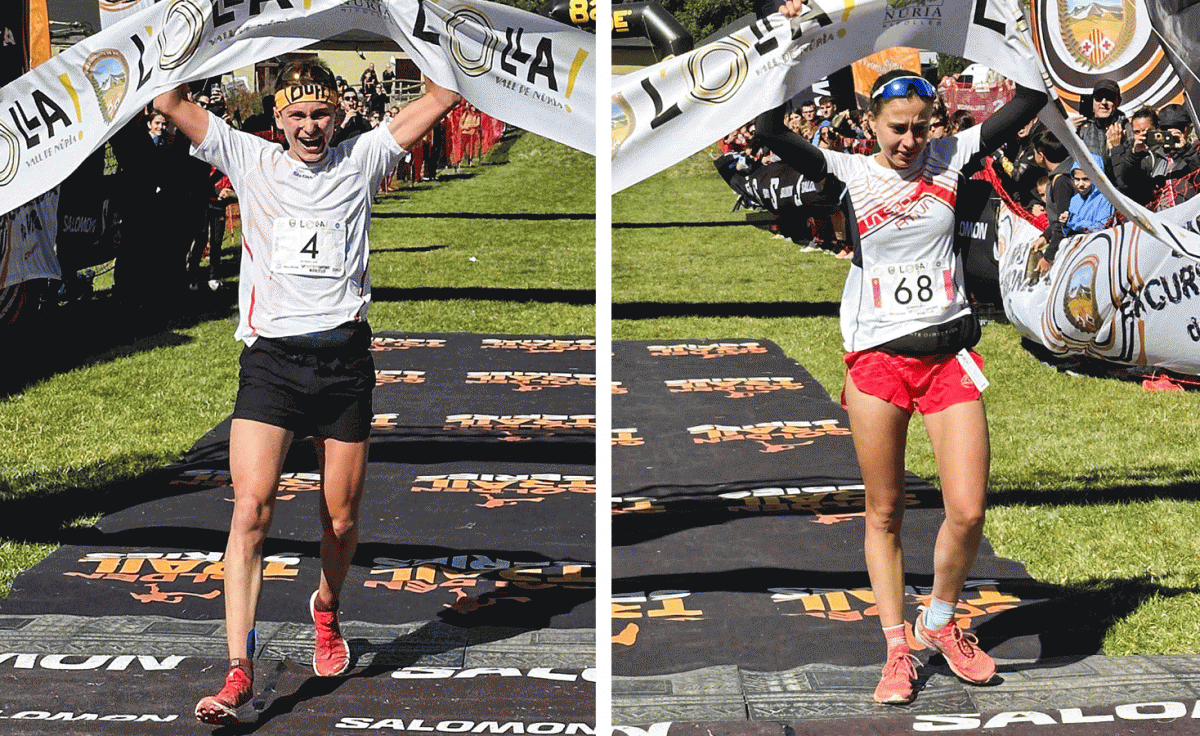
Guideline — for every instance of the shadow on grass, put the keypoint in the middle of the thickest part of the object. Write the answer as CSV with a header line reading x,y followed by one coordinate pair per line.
x,y
655,310
1083,492
99,330
577,297
652,225
485,215
412,249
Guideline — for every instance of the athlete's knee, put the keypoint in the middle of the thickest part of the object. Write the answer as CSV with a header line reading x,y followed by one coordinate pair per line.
x,y
965,520
885,515
342,527
251,516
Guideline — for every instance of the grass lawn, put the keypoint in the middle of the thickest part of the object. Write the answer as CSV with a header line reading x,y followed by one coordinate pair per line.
x,y
1093,480
108,400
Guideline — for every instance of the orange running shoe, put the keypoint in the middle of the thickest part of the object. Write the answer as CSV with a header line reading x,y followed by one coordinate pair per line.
x,y
331,656
896,686
221,709
960,649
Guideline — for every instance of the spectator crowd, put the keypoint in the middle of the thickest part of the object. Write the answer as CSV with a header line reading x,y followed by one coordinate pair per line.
x,y
1151,156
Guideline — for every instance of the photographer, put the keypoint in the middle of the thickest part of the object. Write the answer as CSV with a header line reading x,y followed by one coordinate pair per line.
x,y
1181,157
1135,159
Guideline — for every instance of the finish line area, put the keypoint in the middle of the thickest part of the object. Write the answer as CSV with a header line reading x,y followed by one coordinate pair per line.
x,y
468,607
741,603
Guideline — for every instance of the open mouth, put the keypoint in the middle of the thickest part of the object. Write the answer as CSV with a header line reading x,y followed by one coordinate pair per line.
x,y
311,145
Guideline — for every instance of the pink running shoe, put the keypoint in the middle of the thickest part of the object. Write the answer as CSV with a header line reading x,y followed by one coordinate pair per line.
x,y
960,649
221,709
896,687
331,657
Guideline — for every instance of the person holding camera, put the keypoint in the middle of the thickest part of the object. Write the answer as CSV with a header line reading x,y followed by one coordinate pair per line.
x,y
1181,157
1135,159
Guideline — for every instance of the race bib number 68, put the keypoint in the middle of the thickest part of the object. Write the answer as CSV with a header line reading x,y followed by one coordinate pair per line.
x,y
307,247
921,289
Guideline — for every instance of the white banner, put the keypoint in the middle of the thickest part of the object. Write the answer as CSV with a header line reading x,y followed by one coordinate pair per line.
x,y
667,112
524,69
1119,294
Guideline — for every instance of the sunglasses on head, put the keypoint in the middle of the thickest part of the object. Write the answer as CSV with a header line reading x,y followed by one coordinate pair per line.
x,y
900,86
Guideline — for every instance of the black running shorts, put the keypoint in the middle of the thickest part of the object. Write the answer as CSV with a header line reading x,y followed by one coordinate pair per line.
x,y
323,392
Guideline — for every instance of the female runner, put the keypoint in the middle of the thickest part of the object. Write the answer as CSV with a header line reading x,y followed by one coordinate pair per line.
x,y
907,332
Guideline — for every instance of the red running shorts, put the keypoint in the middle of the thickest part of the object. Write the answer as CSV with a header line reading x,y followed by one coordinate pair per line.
x,y
927,384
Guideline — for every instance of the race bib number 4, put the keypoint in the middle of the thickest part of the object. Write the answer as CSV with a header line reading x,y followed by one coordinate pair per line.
x,y
309,247
922,289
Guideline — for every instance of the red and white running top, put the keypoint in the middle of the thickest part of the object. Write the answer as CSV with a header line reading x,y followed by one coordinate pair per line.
x,y
910,278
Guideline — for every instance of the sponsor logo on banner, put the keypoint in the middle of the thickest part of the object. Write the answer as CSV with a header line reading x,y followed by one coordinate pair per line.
x,y
108,72
1082,41
772,436
623,122
1160,291
627,437
913,12
149,572
384,344
1161,711
718,70
499,490
183,30
530,381
810,499
45,715
709,350
1079,301
733,388
1094,30
979,598
538,346
433,726
384,377
455,673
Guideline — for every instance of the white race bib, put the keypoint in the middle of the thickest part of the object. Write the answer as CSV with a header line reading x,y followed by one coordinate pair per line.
x,y
309,247
912,290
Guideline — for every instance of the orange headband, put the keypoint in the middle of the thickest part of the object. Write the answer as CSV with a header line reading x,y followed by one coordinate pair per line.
x,y
305,92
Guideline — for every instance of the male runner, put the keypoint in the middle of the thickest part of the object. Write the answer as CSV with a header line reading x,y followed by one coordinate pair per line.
x,y
304,288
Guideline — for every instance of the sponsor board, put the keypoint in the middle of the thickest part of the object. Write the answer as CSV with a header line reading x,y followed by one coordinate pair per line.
x,y
777,436
384,344
530,380
498,490
45,715
422,725
1162,711
538,346
709,350
733,388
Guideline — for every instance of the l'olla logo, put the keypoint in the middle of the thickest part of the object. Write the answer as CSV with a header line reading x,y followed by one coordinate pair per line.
x,y
718,72
470,30
10,155
183,29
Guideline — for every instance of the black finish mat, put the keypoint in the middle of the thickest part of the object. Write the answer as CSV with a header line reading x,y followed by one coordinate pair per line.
x,y
738,546
727,420
93,698
487,531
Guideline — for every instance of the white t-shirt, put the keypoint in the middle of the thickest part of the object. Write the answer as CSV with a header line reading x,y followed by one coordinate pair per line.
x,y
304,228
910,277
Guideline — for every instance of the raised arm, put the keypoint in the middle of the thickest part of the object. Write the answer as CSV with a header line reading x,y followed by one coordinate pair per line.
x,y
792,149
190,118
418,116
1016,113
